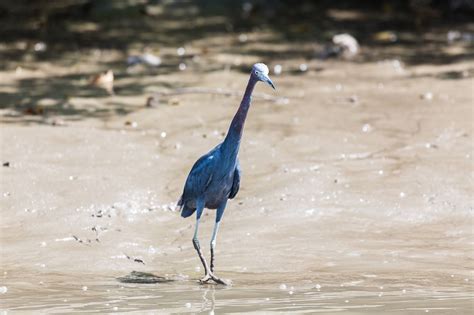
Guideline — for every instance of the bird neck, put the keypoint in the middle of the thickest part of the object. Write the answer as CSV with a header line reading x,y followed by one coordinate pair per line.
x,y
231,142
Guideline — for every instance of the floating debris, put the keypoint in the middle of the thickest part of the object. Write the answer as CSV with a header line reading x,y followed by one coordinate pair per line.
x,y
84,288
147,58
104,80
57,122
151,60
152,101
34,110
182,66
6,164
282,286
3,290
85,242
137,260
348,45
385,37
132,124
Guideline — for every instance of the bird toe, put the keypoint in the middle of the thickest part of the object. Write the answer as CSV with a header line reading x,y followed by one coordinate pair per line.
x,y
206,279
226,282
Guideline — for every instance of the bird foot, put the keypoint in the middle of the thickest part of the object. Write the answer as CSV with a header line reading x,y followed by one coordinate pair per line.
x,y
205,280
217,280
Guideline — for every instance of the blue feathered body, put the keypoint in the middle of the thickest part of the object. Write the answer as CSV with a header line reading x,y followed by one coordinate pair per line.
x,y
214,178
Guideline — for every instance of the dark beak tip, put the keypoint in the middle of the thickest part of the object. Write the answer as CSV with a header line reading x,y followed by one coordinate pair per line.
x,y
271,83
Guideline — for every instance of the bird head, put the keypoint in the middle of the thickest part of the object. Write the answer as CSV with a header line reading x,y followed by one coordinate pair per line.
x,y
260,72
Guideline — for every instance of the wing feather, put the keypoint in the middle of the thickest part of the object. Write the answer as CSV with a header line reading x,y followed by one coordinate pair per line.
x,y
199,177
235,182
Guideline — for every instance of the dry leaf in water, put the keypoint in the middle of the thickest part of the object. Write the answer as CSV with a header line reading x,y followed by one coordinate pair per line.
x,y
104,80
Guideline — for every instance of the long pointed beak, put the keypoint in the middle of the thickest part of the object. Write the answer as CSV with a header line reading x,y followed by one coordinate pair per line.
x,y
267,80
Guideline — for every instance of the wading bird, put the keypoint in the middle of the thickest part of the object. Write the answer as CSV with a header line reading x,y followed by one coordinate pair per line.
x,y
215,177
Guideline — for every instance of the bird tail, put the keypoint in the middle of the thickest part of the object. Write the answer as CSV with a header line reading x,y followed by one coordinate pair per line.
x,y
185,211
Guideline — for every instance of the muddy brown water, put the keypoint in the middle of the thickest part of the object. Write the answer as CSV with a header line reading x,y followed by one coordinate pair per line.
x,y
356,197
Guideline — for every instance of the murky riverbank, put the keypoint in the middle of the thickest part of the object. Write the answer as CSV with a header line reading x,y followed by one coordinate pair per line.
x,y
356,194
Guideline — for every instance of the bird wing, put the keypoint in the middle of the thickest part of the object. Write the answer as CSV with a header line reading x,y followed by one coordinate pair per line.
x,y
199,177
235,182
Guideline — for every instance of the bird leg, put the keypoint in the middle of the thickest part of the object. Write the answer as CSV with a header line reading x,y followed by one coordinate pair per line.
x,y
213,244
208,274
211,275
219,213
197,247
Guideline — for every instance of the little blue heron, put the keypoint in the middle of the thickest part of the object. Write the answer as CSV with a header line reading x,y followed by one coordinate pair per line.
x,y
215,177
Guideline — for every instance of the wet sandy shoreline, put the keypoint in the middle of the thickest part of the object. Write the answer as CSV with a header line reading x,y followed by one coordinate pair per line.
x,y
359,184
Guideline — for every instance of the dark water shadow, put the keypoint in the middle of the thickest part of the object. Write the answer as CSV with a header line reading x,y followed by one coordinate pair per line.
x,y
85,25
143,278
36,100
76,28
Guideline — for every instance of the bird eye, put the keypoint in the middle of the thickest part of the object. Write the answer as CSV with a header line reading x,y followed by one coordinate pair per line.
x,y
257,72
